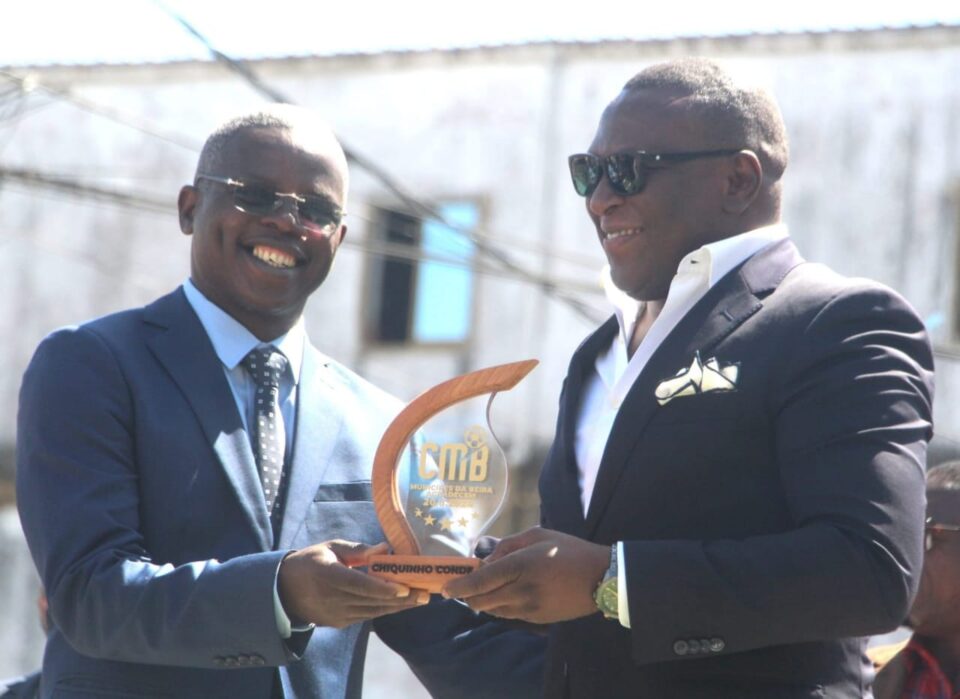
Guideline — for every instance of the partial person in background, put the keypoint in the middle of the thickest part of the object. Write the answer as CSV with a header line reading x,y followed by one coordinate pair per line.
x,y
190,474
927,666
734,497
28,686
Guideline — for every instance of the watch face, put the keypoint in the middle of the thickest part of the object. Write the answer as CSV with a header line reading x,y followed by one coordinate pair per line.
x,y
607,599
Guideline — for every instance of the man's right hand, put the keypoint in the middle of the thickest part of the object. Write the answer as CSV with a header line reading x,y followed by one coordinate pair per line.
x,y
316,585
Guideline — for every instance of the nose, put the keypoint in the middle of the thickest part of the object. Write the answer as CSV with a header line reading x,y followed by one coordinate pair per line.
x,y
285,215
603,198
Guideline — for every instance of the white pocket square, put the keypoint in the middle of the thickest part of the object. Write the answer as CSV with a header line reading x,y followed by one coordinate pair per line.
x,y
699,377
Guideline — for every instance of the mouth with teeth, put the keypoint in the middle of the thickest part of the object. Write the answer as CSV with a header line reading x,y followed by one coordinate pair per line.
x,y
274,257
625,233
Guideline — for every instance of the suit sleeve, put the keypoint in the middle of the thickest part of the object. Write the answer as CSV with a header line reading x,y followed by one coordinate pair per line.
x,y
78,496
851,416
458,654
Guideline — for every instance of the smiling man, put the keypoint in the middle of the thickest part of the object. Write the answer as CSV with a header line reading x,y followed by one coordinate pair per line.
x,y
734,496
178,464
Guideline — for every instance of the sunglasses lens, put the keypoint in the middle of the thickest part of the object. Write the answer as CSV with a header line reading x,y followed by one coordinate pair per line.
x,y
626,173
254,199
318,214
585,172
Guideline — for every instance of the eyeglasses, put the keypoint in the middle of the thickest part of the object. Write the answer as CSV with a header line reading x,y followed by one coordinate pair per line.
x,y
627,171
315,213
930,527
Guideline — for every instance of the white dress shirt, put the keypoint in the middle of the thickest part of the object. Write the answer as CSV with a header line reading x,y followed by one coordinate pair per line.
x,y
615,372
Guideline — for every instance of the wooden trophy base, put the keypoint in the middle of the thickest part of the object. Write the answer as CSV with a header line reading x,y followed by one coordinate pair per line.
x,y
428,573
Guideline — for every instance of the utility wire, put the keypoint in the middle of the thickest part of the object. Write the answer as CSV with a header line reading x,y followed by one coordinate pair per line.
x,y
28,84
156,205
420,208
137,124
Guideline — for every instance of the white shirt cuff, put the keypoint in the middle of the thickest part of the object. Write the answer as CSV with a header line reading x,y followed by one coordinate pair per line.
x,y
623,608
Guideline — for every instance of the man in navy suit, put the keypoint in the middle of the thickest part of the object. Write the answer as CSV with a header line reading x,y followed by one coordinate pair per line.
x,y
173,498
734,497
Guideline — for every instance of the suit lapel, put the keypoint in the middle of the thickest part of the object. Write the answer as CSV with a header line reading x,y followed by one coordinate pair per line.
x,y
563,480
726,306
184,350
319,422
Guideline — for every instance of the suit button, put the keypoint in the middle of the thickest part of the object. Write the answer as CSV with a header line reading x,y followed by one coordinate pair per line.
x,y
717,645
257,660
681,648
694,646
243,660
230,661
218,660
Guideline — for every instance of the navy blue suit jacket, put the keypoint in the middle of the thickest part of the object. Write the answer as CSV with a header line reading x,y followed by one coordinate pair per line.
x,y
768,527
140,500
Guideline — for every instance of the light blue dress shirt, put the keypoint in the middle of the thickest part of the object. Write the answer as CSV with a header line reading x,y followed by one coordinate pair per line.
x,y
232,342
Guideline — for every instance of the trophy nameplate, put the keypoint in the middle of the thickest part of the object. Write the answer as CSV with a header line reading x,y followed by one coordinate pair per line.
x,y
438,483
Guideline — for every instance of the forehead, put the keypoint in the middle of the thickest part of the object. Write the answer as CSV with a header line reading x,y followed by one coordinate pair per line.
x,y
290,160
650,120
943,506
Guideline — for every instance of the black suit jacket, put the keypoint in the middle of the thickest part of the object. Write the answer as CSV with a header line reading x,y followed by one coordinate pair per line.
x,y
768,527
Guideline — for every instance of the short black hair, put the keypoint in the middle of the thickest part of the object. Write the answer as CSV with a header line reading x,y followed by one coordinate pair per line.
x,y
945,476
734,115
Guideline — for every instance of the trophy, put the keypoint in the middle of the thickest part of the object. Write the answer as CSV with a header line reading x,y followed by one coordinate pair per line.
x,y
440,478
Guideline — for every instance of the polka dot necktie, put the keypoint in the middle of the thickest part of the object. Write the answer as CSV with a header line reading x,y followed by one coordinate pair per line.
x,y
265,366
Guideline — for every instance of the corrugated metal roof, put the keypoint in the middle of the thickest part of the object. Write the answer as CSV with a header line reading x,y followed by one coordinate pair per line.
x,y
919,33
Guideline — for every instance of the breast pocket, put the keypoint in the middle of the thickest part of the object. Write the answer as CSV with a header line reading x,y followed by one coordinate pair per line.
x,y
716,406
343,511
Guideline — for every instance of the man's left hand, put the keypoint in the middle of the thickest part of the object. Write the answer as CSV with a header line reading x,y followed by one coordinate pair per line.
x,y
539,575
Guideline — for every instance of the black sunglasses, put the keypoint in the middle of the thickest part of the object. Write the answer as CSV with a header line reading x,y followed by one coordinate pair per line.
x,y
627,171
315,213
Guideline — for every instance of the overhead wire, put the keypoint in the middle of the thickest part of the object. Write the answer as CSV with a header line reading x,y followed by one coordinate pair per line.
x,y
134,122
146,203
418,207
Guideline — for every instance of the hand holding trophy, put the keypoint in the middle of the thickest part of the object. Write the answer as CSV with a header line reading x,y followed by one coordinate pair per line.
x,y
439,495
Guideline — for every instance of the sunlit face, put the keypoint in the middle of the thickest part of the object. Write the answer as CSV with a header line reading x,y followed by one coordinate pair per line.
x,y
646,235
262,268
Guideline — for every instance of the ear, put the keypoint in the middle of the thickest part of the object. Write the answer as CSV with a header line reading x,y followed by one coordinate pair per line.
x,y
744,179
186,205
341,234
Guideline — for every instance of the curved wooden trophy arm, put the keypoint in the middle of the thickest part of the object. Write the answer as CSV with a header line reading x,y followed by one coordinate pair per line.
x,y
386,494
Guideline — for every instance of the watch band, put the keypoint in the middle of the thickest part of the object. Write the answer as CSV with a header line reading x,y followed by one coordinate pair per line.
x,y
607,594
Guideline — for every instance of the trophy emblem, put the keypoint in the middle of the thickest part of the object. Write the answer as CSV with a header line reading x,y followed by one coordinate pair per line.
x,y
440,478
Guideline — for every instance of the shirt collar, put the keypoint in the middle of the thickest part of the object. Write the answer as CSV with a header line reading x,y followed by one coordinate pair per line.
x,y
232,341
713,261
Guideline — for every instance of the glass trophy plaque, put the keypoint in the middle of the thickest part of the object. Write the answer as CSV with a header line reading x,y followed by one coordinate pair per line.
x,y
440,478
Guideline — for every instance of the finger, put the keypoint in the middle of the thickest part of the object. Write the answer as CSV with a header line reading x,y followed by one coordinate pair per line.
x,y
414,599
485,579
509,544
355,555
358,584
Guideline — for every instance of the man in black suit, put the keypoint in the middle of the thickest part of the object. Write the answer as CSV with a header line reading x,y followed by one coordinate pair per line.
x,y
736,481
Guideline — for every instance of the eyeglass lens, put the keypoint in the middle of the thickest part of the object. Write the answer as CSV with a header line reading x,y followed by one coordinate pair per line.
x,y
314,212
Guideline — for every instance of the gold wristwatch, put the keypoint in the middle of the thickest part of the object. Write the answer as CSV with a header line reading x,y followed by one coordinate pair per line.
x,y
607,596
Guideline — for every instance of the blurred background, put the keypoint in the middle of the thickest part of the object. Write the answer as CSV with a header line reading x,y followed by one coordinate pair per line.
x,y
467,246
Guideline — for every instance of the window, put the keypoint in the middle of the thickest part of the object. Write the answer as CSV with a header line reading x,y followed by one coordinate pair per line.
x,y
423,293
